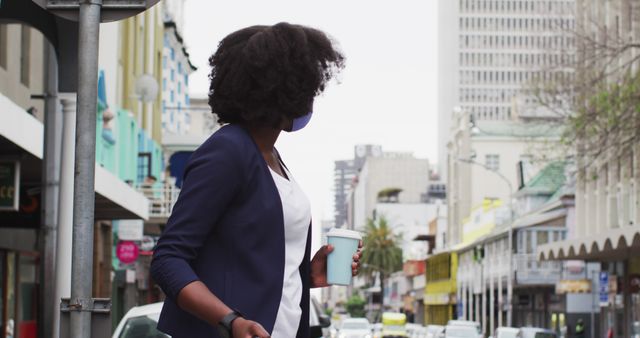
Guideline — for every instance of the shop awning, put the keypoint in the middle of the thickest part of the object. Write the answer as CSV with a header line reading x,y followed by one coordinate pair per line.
x,y
114,198
612,244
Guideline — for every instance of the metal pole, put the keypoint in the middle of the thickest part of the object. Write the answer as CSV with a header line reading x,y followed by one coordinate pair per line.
x,y
51,178
593,302
511,275
84,193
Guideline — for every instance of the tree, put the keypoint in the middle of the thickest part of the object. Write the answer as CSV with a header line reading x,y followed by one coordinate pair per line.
x,y
592,88
380,252
355,306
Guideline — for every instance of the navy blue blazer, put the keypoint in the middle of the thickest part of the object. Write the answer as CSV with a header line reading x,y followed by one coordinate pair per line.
x,y
226,230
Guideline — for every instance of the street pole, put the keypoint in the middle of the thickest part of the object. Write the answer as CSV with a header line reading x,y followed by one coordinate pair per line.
x,y
81,303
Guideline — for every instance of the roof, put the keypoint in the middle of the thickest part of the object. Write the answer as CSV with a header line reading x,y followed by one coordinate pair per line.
x,y
548,181
517,129
172,24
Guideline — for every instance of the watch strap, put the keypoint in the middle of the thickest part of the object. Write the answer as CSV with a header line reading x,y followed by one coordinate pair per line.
x,y
227,321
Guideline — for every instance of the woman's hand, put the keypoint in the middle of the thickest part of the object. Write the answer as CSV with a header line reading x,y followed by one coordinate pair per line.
x,y
243,328
319,265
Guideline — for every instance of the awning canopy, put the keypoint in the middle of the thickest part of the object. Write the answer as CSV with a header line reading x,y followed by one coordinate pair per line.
x,y
611,245
20,132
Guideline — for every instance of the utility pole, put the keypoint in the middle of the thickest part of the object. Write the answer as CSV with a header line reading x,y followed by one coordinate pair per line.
x,y
89,14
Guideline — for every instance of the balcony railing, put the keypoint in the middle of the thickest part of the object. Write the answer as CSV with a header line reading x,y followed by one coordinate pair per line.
x,y
530,271
162,198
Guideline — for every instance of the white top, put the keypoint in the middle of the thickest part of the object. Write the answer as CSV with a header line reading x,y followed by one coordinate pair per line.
x,y
297,217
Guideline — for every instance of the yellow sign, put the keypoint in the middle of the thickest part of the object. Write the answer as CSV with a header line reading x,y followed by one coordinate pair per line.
x,y
573,286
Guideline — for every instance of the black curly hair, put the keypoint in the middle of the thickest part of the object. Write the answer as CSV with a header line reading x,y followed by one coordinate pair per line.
x,y
269,74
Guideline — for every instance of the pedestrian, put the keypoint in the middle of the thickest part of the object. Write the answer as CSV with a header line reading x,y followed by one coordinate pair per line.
x,y
234,259
580,328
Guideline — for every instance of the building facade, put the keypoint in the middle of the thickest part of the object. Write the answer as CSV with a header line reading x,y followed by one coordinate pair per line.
x,y
390,171
345,171
490,51
607,227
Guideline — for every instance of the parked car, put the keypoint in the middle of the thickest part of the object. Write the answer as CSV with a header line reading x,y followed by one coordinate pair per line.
x,y
506,332
461,331
435,331
465,323
412,329
536,332
355,328
140,322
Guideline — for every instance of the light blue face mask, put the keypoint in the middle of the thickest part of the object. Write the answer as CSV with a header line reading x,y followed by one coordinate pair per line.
x,y
301,122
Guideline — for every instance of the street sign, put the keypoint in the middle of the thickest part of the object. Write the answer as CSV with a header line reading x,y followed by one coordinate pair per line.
x,y
127,252
9,185
130,229
112,10
604,288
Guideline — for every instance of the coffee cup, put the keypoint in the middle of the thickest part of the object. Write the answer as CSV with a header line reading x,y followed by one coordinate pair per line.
x,y
345,245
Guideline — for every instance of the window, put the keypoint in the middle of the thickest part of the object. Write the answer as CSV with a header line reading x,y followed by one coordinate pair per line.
x,y
25,54
179,87
171,96
492,162
173,75
164,62
144,166
3,46
179,68
164,83
173,54
186,79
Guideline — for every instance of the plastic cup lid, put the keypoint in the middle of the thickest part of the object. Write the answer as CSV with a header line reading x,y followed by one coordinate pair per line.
x,y
336,232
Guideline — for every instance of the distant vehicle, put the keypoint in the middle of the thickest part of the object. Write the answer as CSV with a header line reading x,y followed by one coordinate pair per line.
x,y
393,325
435,331
464,323
377,330
355,328
536,332
140,322
461,331
413,329
506,332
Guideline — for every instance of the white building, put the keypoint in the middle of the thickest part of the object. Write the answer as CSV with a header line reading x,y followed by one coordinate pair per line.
x,y
391,170
482,159
490,50
176,68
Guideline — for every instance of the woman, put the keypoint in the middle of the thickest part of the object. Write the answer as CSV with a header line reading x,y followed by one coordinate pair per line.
x,y
234,259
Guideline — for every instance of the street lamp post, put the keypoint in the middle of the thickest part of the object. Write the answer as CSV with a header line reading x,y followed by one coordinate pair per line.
x,y
509,239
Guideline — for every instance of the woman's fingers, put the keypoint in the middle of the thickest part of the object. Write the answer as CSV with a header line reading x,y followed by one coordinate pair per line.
x,y
256,330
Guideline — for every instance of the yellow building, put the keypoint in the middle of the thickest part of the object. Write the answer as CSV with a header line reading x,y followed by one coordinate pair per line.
x,y
141,47
440,291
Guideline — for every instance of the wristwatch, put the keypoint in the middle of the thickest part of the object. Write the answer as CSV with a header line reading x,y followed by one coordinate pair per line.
x,y
225,325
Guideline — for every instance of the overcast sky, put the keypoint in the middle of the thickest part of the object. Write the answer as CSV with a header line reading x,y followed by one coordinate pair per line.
x,y
387,94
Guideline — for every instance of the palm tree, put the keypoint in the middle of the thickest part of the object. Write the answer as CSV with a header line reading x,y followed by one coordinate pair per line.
x,y
380,251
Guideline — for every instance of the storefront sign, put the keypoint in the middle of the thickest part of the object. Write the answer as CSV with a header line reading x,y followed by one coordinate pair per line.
x,y
437,298
604,288
130,229
127,252
9,185
573,286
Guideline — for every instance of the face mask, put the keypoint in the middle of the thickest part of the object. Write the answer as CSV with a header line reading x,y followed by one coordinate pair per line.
x,y
301,122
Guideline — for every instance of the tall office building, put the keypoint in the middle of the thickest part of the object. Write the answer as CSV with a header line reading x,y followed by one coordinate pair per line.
x,y
490,50
344,173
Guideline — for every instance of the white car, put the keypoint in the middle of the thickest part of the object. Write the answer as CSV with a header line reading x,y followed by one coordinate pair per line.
x,y
461,331
355,328
435,331
140,322
506,332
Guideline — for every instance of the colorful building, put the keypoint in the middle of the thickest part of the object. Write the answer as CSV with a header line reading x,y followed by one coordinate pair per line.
x,y
440,291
